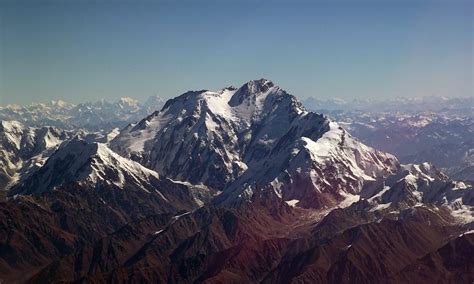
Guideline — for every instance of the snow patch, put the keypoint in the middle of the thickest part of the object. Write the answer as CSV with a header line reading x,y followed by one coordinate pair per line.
x,y
292,202
349,199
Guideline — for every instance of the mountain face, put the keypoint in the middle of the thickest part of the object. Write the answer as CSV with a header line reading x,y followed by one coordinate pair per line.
x,y
235,140
416,185
242,185
93,166
451,263
83,192
91,163
254,244
23,149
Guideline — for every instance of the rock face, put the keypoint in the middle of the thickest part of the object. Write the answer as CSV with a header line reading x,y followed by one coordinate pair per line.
x,y
418,185
83,192
451,263
242,185
24,149
252,244
237,140
94,167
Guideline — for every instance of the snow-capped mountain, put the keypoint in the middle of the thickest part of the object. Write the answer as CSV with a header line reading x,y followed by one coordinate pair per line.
x,y
238,185
258,135
83,192
94,166
439,133
92,116
93,163
104,114
24,149
152,104
419,185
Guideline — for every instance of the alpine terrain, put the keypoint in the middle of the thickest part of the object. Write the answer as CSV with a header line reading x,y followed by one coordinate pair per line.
x,y
239,185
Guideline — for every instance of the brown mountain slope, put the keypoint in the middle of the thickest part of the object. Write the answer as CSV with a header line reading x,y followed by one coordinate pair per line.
x,y
37,229
254,243
451,263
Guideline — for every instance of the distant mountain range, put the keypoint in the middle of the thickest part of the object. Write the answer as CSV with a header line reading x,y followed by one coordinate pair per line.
x,y
92,116
437,130
238,185
459,105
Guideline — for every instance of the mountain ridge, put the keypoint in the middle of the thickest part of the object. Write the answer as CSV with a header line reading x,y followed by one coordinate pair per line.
x,y
241,184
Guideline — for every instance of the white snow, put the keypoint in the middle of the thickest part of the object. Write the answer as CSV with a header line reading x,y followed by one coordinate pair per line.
x,y
12,126
380,193
177,217
218,103
292,202
464,214
13,131
381,206
211,124
467,233
51,140
110,158
134,141
112,134
262,118
336,146
349,199
459,185
90,162
323,148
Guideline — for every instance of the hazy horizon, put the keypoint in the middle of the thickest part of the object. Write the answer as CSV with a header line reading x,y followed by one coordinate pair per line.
x,y
303,99
89,50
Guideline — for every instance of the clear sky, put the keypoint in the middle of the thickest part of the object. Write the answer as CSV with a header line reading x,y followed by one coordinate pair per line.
x,y
86,50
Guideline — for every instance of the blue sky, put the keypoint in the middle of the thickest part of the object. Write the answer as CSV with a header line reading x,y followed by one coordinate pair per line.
x,y
87,50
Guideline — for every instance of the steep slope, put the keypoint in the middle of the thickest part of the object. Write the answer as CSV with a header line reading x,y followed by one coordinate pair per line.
x,y
258,242
238,140
301,201
93,166
83,192
420,185
92,163
451,263
439,131
24,149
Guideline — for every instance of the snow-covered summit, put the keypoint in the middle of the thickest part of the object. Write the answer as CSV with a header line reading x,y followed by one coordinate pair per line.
x,y
24,148
214,127
129,102
92,163
83,168
249,136
420,184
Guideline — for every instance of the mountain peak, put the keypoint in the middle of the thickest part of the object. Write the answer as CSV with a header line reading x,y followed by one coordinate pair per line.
x,y
249,89
257,86
233,138
80,161
11,125
128,101
59,103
